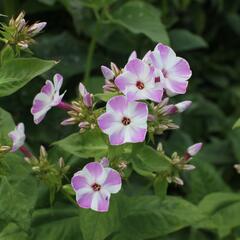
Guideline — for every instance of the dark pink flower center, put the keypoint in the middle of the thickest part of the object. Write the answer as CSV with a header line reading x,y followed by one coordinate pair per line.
x,y
126,121
96,187
140,85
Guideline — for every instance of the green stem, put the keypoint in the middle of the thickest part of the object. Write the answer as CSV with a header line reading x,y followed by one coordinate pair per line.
x,y
91,50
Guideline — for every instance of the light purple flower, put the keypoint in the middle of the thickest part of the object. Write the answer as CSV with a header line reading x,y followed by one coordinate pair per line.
x,y
18,137
86,96
138,82
194,149
124,121
171,72
94,184
47,98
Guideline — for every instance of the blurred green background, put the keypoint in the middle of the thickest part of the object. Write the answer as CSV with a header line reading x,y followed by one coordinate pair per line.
x,y
85,34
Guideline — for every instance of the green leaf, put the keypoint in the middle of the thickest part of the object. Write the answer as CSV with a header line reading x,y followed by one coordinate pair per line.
x,y
7,53
15,73
149,217
13,232
18,192
64,47
206,178
147,161
234,22
88,144
6,125
183,40
160,186
104,96
237,124
56,223
97,226
48,2
141,17
222,210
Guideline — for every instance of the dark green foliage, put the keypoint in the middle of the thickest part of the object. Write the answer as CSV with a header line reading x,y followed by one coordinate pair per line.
x,y
84,34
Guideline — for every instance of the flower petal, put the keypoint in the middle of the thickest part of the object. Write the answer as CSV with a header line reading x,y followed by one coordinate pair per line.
x,y
58,81
138,68
94,172
78,181
113,182
100,201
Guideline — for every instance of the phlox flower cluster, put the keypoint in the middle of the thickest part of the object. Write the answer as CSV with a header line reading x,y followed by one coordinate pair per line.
x,y
139,105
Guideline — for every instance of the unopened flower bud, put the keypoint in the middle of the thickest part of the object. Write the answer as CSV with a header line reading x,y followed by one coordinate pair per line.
x,y
194,149
86,96
36,28
61,162
22,44
43,152
107,73
5,149
237,167
36,169
84,124
69,121
151,118
182,106
115,69
188,167
105,162
178,180
160,147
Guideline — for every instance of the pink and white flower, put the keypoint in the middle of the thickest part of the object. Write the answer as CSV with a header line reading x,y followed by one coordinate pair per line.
x,y
18,137
47,98
124,121
86,96
138,82
171,72
94,185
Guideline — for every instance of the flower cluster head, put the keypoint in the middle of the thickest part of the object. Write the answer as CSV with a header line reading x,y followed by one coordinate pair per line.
x,y
182,163
139,105
81,111
159,72
94,185
19,33
48,97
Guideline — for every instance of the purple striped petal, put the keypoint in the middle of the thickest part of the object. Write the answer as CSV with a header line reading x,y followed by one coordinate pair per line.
x,y
78,182
137,67
106,120
137,134
113,182
117,138
85,200
181,70
95,170
117,104
48,88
